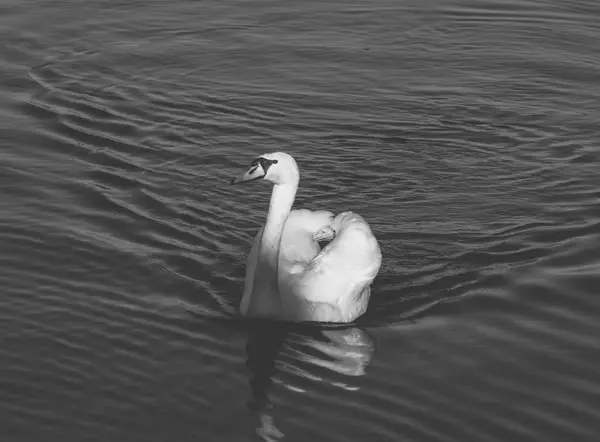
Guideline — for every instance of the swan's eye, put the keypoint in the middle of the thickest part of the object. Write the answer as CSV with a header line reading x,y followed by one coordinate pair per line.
x,y
275,161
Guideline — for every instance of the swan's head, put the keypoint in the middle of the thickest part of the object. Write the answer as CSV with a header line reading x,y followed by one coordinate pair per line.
x,y
344,221
276,167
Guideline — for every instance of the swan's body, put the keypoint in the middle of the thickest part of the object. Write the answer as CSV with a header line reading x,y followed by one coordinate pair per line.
x,y
288,276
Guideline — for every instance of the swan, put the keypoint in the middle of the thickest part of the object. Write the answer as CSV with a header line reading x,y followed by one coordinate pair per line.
x,y
288,276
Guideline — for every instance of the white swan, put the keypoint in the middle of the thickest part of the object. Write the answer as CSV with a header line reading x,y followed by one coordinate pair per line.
x,y
288,276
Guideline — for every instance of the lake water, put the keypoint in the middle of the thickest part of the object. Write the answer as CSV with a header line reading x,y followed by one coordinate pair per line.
x,y
467,134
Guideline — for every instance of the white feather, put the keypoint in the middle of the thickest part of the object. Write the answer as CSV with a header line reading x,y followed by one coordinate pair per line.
x,y
288,276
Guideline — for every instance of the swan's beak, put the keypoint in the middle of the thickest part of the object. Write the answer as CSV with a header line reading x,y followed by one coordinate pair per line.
x,y
324,234
256,172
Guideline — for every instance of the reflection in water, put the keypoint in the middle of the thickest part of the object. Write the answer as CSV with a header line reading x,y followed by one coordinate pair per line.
x,y
333,356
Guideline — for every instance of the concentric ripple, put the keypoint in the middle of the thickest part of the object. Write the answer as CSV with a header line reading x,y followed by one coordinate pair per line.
x,y
464,132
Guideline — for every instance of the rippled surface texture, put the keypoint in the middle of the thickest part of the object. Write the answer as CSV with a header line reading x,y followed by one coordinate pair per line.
x,y
465,132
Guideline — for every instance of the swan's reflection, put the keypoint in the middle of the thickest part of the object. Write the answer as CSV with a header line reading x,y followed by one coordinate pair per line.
x,y
299,358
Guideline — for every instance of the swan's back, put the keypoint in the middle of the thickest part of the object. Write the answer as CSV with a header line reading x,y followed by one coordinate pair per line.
x,y
296,251
297,247
353,254
329,285
342,272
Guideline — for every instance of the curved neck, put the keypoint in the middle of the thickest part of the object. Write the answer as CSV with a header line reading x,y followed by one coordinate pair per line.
x,y
282,200
265,293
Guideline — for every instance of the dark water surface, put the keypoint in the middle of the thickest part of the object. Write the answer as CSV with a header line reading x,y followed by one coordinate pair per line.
x,y
466,132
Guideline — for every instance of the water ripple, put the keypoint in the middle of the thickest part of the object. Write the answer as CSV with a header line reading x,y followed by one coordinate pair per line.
x,y
465,133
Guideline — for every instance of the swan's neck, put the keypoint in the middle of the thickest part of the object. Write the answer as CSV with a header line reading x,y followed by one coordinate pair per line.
x,y
282,200
265,293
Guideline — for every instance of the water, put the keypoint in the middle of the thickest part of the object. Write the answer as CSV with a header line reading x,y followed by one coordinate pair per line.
x,y
465,132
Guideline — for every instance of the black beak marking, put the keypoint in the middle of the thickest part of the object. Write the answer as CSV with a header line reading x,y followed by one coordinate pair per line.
x,y
260,161
264,163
